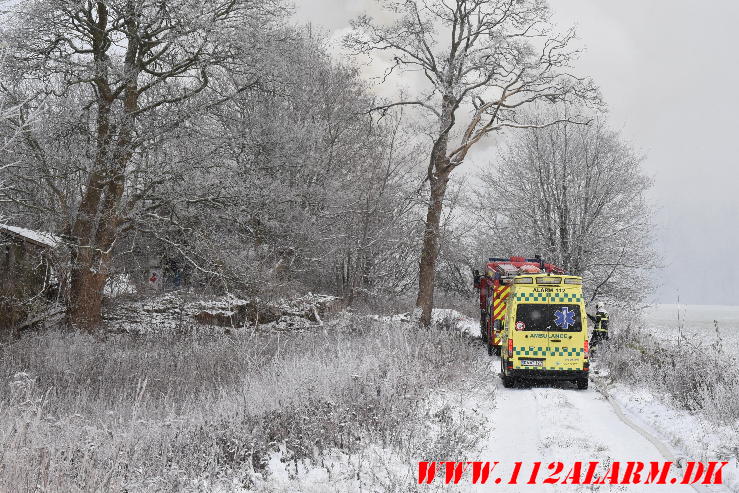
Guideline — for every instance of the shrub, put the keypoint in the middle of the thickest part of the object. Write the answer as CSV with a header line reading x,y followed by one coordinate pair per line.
x,y
79,413
698,376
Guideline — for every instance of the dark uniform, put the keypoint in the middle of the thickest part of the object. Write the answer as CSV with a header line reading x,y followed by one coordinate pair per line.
x,y
600,330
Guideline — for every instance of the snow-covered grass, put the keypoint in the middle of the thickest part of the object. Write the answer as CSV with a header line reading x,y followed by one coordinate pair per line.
x,y
250,411
690,434
685,387
697,375
677,371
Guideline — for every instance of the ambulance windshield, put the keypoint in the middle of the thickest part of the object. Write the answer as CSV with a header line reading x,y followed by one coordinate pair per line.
x,y
546,317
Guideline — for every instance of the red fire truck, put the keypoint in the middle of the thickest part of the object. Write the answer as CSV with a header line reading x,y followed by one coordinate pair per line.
x,y
494,287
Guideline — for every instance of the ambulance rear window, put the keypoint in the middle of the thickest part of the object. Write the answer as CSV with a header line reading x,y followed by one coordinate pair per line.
x,y
548,317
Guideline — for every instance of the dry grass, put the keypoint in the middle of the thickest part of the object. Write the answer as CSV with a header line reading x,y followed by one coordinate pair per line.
x,y
157,413
698,375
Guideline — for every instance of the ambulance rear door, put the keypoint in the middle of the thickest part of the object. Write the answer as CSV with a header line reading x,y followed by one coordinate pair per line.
x,y
567,332
530,337
549,336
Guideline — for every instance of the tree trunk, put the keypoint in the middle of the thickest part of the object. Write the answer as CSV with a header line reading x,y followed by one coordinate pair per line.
x,y
91,262
86,294
430,249
97,222
85,289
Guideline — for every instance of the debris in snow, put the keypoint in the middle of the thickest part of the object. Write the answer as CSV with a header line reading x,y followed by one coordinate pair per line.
x,y
444,317
118,285
177,311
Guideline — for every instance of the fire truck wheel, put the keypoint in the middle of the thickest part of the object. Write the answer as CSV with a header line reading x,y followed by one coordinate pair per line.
x,y
582,383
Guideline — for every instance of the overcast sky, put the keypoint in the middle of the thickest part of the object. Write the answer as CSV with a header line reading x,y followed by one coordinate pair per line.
x,y
669,71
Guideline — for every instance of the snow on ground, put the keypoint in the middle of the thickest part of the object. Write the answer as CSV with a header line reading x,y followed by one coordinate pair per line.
x,y
669,320
547,422
462,323
443,316
541,422
374,470
690,436
118,285
555,422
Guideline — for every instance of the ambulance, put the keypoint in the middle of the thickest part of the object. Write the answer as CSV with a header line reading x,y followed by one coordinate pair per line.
x,y
545,332
494,285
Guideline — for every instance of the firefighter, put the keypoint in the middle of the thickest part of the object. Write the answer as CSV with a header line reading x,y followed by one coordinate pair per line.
x,y
600,330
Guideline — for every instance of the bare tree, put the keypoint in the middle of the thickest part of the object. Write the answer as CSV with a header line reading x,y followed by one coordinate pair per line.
x,y
482,61
320,187
139,66
7,136
11,128
279,189
576,194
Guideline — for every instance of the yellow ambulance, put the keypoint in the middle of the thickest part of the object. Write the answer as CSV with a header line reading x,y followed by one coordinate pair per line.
x,y
545,334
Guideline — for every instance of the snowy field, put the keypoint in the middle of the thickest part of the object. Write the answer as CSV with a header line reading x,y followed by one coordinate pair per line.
x,y
700,321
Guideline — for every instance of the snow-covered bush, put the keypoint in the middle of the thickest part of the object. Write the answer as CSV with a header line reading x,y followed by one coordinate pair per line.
x,y
698,375
149,412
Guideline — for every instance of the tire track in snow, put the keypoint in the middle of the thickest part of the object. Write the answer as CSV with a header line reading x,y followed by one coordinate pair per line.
x,y
557,422
560,425
658,444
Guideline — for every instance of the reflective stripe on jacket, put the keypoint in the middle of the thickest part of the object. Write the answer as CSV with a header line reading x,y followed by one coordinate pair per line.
x,y
601,322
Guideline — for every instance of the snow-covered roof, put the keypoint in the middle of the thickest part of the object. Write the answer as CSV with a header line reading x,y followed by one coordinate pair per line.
x,y
40,238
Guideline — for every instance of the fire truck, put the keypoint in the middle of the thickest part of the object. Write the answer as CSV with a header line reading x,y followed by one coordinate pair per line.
x,y
494,285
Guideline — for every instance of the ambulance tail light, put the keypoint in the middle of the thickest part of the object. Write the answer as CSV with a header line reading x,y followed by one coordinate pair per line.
x,y
510,348
586,347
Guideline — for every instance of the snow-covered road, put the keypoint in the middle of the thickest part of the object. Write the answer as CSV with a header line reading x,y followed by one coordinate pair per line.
x,y
555,422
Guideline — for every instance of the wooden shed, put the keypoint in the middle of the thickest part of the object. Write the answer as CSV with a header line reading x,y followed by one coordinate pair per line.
x,y
27,278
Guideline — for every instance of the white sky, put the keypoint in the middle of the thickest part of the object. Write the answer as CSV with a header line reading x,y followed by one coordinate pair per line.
x,y
669,71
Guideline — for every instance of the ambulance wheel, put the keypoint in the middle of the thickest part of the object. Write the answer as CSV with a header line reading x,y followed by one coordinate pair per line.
x,y
508,382
496,350
582,383
490,348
